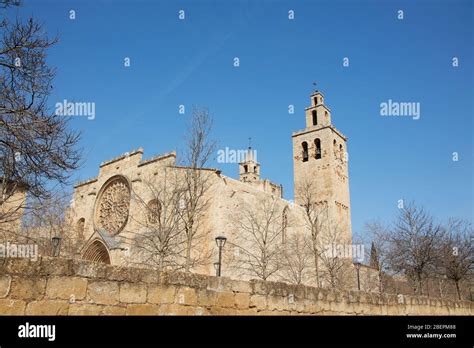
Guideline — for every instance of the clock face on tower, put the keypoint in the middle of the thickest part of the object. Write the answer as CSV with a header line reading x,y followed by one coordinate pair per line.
x,y
113,206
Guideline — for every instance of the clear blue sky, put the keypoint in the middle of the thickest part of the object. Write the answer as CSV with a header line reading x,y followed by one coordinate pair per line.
x,y
190,62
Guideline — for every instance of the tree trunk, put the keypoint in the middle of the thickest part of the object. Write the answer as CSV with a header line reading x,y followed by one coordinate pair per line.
x,y
316,267
380,282
187,266
457,289
160,266
420,287
440,285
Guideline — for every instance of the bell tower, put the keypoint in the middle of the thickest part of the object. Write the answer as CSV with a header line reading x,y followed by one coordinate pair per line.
x,y
320,165
317,113
249,168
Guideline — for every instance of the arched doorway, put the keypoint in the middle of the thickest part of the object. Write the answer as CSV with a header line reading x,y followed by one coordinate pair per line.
x,y
97,252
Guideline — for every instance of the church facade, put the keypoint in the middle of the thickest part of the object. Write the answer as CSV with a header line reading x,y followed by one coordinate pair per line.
x,y
128,213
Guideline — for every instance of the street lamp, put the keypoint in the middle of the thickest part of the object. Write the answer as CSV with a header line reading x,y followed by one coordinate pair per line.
x,y
220,241
357,266
56,241
216,267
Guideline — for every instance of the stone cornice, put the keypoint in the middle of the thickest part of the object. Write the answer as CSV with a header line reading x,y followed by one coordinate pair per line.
x,y
314,129
157,158
121,157
85,182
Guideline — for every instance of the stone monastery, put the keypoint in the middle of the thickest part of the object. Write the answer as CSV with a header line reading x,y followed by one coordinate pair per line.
x,y
128,214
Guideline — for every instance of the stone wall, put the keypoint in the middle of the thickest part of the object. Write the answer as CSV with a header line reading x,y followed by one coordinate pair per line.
x,y
12,210
55,286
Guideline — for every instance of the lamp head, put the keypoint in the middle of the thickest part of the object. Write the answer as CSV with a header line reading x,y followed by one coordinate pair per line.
x,y
220,241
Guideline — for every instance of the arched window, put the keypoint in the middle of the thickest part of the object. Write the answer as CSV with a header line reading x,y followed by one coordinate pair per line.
x,y
254,169
284,225
246,168
80,227
317,144
154,211
341,153
315,100
305,151
334,148
97,252
315,118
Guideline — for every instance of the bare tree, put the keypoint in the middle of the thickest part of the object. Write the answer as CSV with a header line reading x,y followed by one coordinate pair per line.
x,y
47,219
170,231
379,250
457,253
9,3
37,149
296,259
415,244
160,239
196,183
315,215
259,239
335,263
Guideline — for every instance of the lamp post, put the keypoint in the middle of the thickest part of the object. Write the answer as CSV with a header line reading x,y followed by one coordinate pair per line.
x,y
357,266
56,242
220,241
216,267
